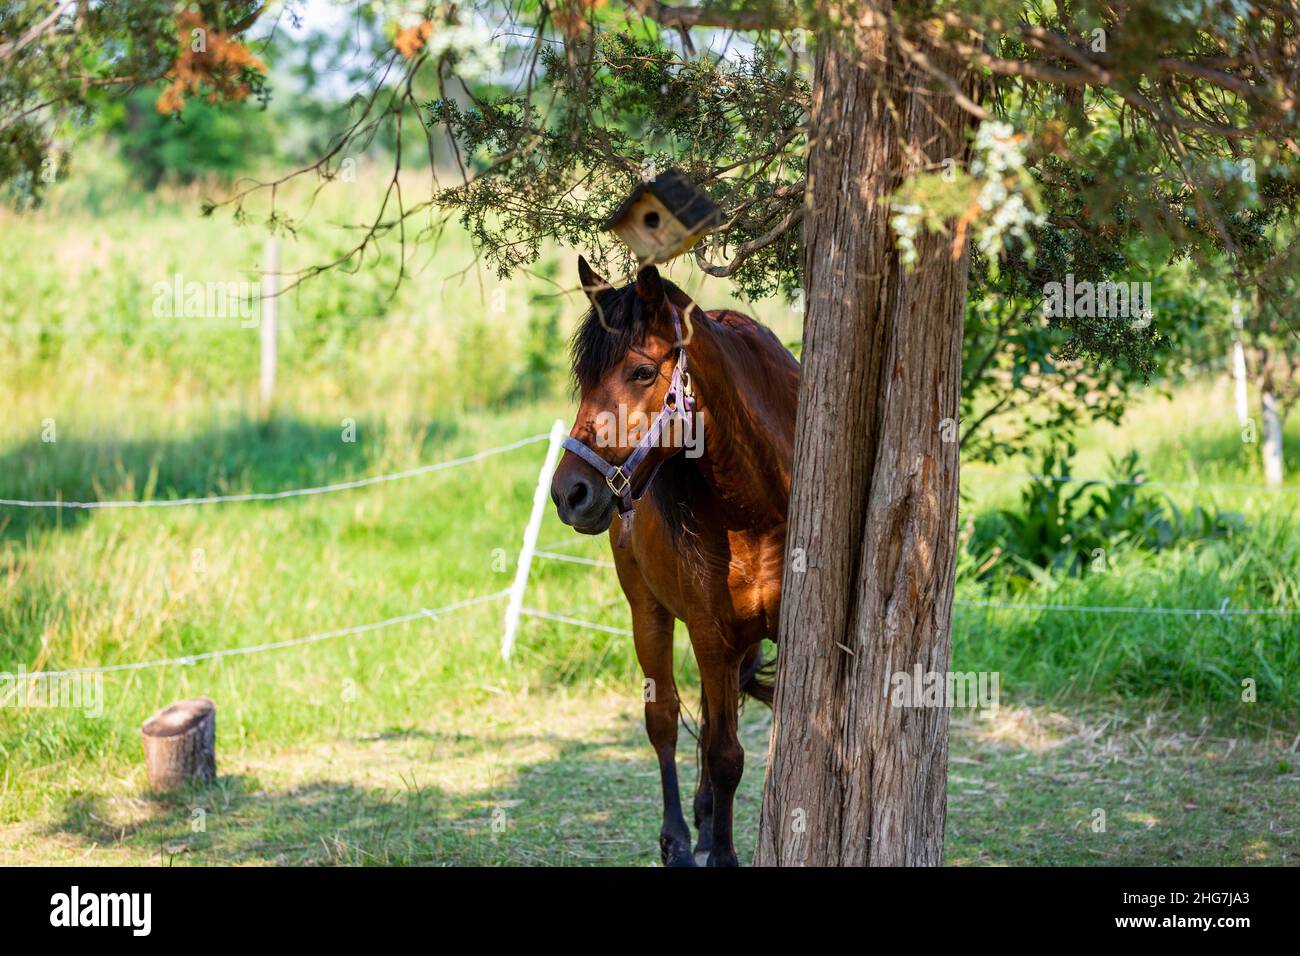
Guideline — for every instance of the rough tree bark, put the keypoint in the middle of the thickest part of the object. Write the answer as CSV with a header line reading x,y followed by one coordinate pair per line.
x,y
852,780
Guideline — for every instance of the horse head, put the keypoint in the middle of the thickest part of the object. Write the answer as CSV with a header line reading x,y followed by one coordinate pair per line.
x,y
629,363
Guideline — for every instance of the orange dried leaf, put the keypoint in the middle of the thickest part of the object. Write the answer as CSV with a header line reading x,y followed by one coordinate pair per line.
x,y
218,67
409,41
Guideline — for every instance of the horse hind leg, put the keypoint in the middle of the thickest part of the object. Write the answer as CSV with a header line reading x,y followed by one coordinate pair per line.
x,y
753,682
703,790
724,756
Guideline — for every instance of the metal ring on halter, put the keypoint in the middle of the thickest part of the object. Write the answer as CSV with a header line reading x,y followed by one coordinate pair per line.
x,y
618,490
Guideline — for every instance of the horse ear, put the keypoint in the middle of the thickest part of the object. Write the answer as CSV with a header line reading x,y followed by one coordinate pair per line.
x,y
650,288
593,283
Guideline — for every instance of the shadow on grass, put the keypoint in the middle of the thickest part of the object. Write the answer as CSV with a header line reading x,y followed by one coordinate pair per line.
x,y
579,808
1035,786
236,821
249,456
1043,787
591,796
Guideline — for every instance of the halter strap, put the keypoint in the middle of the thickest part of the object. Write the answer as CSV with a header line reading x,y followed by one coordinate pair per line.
x,y
621,478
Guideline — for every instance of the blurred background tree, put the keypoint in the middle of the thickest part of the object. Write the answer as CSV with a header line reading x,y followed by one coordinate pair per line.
x,y
201,141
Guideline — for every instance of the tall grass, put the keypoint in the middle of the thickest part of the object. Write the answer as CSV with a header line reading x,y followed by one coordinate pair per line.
x,y
1191,436
142,408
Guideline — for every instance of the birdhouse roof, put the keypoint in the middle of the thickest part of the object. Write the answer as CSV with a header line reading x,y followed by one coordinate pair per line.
x,y
685,200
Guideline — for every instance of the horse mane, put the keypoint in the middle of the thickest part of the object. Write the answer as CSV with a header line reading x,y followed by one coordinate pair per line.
x,y
615,323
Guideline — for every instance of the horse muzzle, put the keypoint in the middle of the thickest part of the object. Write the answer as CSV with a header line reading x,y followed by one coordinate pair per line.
x,y
583,501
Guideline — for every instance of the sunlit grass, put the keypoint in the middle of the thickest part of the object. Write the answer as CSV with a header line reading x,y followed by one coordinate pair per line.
x,y
397,745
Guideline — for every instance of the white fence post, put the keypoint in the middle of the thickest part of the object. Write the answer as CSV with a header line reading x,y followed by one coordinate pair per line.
x,y
515,607
270,322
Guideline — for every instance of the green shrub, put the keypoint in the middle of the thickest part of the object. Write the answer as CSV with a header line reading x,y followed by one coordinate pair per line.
x,y
1067,526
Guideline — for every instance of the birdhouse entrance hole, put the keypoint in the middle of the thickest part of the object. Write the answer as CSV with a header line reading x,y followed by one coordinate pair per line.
x,y
664,217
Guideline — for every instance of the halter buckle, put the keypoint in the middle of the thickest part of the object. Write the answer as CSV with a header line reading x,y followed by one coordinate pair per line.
x,y
625,481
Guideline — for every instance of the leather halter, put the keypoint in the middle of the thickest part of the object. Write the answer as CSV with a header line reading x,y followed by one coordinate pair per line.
x,y
621,479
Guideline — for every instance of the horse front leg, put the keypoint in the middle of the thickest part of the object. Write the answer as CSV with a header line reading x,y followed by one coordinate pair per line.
x,y
724,756
652,632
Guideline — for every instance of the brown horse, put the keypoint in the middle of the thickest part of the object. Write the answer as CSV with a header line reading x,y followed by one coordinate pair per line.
x,y
708,540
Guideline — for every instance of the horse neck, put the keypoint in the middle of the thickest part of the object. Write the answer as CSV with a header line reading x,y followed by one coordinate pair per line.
x,y
742,464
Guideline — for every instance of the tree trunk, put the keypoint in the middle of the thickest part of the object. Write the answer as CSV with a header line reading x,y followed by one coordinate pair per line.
x,y
852,780
1271,446
1239,392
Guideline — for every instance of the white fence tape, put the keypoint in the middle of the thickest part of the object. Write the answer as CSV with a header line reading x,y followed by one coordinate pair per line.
x,y
1143,483
516,592
572,559
278,495
575,621
273,645
1222,611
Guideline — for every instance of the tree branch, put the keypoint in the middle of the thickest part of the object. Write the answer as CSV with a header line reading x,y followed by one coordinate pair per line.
x,y
792,219
683,18
7,50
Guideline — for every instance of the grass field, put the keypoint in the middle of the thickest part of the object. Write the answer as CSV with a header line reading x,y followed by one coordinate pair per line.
x,y
415,743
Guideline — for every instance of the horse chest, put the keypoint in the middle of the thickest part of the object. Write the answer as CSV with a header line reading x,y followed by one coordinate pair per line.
x,y
732,578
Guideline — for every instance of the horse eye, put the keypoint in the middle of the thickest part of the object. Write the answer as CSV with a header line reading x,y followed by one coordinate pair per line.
x,y
643,373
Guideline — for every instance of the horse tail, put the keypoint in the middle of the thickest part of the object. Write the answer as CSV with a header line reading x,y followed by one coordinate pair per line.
x,y
758,678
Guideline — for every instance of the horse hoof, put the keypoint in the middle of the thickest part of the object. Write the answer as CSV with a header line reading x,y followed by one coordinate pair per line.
x,y
675,853
704,842
723,859
702,850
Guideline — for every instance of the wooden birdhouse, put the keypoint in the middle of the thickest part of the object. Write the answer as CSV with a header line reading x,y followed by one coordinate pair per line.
x,y
664,217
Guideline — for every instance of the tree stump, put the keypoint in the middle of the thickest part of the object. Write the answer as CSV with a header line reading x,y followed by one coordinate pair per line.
x,y
180,745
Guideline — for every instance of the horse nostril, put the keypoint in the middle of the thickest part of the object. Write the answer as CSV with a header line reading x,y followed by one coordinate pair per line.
x,y
578,494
